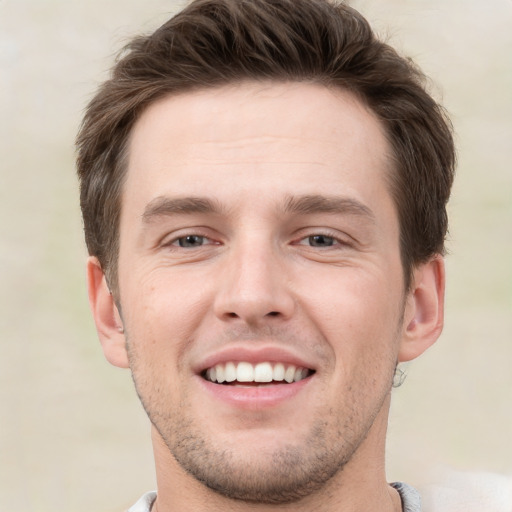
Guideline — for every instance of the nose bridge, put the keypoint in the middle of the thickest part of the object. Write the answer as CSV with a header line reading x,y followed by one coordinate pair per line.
x,y
254,285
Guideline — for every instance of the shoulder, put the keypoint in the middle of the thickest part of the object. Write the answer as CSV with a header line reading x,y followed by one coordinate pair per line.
x,y
455,491
411,501
144,504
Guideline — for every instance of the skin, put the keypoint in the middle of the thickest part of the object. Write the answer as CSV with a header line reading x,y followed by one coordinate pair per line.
x,y
294,255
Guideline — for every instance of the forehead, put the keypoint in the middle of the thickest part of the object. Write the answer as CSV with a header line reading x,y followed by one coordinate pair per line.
x,y
296,137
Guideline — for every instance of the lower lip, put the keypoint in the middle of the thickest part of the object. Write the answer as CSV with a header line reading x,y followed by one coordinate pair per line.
x,y
255,397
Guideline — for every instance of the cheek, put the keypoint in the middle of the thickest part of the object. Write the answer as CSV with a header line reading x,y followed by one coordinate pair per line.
x,y
358,313
352,299
161,316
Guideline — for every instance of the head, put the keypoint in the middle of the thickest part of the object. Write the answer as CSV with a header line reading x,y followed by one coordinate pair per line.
x,y
263,186
214,43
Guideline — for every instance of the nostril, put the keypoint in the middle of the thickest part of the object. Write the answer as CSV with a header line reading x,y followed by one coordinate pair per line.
x,y
273,313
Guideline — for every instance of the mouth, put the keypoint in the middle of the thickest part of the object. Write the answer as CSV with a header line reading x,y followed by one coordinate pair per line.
x,y
261,374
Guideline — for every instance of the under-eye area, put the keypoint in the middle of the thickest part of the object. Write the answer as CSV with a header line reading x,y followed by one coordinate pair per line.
x,y
264,373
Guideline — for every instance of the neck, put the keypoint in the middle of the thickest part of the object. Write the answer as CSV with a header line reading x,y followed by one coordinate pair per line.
x,y
359,485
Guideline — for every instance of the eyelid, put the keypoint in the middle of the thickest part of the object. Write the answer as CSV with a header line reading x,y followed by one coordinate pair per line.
x,y
342,239
176,241
171,239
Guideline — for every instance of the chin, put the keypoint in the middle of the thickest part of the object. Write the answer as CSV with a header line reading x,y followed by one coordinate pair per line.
x,y
276,472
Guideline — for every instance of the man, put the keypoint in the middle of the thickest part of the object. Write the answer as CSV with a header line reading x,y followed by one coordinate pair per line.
x,y
263,186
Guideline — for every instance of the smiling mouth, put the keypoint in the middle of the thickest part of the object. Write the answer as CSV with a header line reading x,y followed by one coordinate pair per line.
x,y
244,373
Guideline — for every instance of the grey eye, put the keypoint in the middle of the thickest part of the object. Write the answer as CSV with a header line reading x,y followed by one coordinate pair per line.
x,y
191,241
321,241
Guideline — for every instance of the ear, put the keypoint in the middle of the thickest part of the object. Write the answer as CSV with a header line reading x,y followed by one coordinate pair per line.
x,y
424,312
106,315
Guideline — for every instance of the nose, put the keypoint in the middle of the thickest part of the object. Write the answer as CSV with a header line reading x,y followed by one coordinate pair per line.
x,y
253,287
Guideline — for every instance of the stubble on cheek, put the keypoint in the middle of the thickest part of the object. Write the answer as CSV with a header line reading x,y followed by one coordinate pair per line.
x,y
291,472
296,468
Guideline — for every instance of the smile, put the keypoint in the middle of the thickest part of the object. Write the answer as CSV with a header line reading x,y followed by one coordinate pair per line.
x,y
264,372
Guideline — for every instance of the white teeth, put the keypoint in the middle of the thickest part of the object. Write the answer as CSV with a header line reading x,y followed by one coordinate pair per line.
x,y
289,374
303,374
278,372
261,372
230,372
245,372
219,371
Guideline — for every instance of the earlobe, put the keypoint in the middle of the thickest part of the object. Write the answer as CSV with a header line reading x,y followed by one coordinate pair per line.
x,y
106,315
424,313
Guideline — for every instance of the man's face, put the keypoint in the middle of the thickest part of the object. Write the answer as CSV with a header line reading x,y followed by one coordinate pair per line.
x,y
258,240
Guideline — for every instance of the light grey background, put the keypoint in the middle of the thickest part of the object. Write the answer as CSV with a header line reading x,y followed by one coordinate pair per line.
x,y
72,434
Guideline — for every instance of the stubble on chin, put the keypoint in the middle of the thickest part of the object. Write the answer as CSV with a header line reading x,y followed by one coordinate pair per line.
x,y
286,475
292,471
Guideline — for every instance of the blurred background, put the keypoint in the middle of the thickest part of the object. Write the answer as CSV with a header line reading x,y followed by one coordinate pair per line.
x,y
72,433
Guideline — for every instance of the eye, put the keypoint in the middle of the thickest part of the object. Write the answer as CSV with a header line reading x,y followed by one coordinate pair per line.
x,y
190,241
320,241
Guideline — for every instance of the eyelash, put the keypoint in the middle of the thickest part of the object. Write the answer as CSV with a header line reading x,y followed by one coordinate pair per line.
x,y
175,243
331,237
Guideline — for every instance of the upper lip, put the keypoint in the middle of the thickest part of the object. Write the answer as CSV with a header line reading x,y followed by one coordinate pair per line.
x,y
253,355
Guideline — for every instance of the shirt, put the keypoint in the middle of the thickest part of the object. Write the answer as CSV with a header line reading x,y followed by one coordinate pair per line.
x,y
410,499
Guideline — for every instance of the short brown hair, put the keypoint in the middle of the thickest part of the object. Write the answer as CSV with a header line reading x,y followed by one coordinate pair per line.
x,y
216,42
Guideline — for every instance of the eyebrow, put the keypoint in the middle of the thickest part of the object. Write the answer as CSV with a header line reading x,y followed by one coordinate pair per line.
x,y
308,204
164,206
311,204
